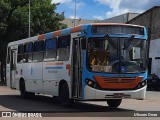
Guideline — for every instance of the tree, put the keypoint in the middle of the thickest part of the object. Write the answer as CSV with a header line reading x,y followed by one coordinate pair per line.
x,y
14,21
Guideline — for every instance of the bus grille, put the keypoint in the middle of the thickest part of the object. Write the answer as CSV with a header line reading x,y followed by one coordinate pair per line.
x,y
118,80
117,83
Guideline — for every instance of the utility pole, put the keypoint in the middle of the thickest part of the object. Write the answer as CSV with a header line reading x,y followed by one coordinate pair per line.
x,y
29,27
75,12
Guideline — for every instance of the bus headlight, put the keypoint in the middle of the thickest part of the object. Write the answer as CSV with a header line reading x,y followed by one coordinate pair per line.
x,y
91,83
142,84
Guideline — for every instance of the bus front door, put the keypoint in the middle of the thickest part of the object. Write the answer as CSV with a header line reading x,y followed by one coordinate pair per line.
x,y
12,68
76,68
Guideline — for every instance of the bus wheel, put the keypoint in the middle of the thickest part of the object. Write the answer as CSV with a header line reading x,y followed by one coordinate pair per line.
x,y
23,92
114,103
64,95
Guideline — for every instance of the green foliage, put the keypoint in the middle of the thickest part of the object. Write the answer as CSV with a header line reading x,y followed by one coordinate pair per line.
x,y
14,16
14,22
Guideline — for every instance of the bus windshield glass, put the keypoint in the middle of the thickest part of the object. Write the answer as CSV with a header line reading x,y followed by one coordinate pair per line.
x,y
116,55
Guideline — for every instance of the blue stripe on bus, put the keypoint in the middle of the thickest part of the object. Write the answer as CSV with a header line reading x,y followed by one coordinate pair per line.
x,y
53,67
49,35
66,31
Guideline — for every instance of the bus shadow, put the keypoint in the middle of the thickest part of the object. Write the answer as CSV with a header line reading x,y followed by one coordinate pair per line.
x,y
47,104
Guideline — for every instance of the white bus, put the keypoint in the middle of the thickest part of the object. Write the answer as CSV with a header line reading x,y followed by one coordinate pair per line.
x,y
99,61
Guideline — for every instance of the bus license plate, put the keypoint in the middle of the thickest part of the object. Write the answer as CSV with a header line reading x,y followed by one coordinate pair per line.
x,y
118,95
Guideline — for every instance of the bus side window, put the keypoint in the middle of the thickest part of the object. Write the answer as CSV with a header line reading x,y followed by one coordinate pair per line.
x,y
50,49
20,54
28,49
8,55
38,51
63,51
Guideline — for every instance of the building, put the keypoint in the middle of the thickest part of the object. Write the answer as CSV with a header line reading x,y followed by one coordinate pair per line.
x,y
117,19
70,22
150,19
121,18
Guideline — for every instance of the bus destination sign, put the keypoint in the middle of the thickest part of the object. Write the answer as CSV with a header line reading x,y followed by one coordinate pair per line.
x,y
110,29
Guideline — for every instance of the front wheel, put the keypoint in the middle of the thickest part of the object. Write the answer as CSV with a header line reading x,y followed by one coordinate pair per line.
x,y
64,95
114,103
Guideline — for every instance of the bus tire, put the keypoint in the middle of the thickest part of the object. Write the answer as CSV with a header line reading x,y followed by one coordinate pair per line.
x,y
23,92
64,95
114,103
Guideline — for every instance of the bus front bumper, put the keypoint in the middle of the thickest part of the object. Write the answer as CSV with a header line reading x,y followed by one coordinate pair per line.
x,y
94,94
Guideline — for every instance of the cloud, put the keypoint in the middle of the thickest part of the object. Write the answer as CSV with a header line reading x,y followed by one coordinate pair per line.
x,y
110,3
71,3
123,6
138,4
114,6
61,1
79,5
98,17
72,17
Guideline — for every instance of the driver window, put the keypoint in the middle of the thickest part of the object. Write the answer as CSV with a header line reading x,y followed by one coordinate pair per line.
x,y
99,53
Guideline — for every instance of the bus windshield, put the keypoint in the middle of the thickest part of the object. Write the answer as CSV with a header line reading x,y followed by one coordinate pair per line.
x,y
116,54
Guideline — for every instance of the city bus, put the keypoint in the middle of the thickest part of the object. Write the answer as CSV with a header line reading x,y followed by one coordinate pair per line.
x,y
89,62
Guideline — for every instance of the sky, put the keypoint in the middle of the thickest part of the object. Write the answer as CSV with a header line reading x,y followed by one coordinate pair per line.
x,y
102,9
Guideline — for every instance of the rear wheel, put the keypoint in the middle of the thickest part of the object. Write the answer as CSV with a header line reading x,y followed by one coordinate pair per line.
x,y
64,95
114,103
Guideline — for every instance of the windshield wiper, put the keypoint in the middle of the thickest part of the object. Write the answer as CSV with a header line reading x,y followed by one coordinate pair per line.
x,y
111,41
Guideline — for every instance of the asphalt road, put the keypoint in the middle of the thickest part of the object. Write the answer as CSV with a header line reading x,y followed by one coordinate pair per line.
x,y
11,101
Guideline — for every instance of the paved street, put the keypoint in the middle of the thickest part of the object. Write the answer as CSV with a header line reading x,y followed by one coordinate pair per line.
x,y
11,101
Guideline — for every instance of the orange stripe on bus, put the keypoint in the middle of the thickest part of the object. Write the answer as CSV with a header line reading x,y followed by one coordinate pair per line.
x,y
68,66
94,24
76,29
117,83
41,37
56,33
60,63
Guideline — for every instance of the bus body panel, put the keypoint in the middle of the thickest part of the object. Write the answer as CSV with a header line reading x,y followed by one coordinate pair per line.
x,y
53,72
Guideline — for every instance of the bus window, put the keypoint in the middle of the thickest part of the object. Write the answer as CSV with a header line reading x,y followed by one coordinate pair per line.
x,y
63,47
28,49
50,49
38,51
20,54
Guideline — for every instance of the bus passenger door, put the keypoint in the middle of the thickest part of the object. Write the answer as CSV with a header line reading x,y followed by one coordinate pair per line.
x,y
76,68
13,68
